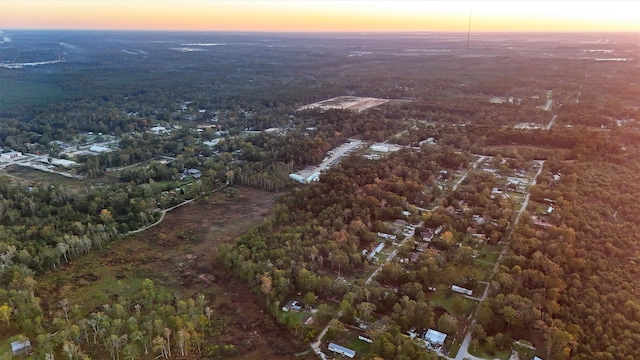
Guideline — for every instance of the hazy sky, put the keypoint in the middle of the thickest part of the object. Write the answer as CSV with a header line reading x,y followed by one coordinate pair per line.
x,y
327,15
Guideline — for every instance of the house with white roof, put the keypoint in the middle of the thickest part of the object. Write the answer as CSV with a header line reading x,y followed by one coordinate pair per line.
x,y
435,338
341,350
11,154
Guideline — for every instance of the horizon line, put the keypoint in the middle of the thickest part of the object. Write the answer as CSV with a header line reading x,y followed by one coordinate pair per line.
x,y
333,31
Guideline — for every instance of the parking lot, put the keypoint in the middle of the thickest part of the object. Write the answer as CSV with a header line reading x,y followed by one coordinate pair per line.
x,y
334,157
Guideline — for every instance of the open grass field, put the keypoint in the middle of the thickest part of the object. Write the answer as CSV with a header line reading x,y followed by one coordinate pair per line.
x,y
483,353
30,177
33,175
454,348
442,299
352,342
181,255
354,103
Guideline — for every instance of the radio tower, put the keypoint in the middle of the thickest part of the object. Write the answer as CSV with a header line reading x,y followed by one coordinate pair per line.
x,y
468,36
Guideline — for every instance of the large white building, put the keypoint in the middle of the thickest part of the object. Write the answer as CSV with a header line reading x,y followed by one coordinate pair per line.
x,y
298,178
313,177
64,163
380,148
11,154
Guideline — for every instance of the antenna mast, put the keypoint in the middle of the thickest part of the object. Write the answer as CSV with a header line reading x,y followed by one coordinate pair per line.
x,y
469,30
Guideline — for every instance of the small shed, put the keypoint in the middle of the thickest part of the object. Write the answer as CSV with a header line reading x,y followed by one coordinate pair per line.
x,y
341,350
21,347
292,305
365,339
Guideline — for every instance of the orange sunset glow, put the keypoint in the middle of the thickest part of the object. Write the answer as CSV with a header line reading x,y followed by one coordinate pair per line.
x,y
316,16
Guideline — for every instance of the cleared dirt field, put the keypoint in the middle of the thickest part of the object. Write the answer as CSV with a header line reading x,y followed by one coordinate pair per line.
x,y
353,103
180,253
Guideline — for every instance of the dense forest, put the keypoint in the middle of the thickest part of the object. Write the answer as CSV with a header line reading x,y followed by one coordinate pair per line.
x,y
578,275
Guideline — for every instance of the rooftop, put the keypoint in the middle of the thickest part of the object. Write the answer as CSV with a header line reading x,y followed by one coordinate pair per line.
x,y
435,337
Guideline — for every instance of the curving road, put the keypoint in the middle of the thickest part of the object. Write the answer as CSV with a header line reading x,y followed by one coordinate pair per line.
x,y
163,212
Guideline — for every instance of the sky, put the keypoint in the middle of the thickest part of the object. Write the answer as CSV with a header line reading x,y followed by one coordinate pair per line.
x,y
322,16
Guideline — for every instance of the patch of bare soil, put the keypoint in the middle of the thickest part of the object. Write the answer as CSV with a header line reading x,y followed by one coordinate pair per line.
x,y
182,254
183,251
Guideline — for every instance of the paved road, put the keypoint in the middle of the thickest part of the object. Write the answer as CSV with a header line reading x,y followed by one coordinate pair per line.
x,y
553,121
339,152
316,345
526,198
480,159
457,183
463,353
393,253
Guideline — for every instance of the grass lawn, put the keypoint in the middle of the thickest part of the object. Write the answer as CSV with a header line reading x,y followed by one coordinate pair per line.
x,y
380,258
517,207
517,199
350,340
485,251
483,271
360,346
490,257
368,273
290,317
483,353
440,299
524,353
454,348
41,176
